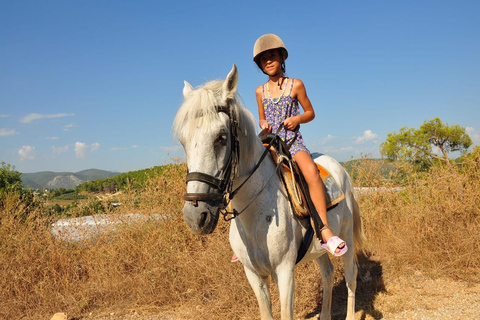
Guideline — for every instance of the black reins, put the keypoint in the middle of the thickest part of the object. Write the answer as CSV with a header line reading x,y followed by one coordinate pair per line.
x,y
224,184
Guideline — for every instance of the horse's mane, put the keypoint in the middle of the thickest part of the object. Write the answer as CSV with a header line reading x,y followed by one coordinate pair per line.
x,y
198,111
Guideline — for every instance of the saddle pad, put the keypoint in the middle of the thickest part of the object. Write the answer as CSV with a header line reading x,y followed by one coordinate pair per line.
x,y
333,194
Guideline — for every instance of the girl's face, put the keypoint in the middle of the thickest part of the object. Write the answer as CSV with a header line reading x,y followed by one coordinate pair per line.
x,y
271,62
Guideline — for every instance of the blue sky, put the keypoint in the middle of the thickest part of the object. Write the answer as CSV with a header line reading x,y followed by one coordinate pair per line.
x,y
96,84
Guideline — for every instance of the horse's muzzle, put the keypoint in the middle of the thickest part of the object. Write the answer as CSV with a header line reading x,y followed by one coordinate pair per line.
x,y
202,218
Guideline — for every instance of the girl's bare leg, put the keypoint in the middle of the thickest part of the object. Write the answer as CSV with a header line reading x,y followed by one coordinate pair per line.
x,y
317,193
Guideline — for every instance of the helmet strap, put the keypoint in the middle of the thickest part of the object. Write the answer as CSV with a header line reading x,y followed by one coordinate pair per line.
x,y
282,63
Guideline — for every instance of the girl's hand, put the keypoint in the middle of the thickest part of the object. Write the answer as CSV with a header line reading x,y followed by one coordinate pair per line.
x,y
265,126
291,123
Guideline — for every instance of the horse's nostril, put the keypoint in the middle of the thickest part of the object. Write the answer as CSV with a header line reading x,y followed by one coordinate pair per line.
x,y
203,219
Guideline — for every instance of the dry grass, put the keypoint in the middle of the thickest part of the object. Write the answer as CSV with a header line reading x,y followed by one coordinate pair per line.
x,y
430,226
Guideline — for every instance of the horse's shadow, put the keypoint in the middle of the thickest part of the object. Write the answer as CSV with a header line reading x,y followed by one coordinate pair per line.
x,y
369,285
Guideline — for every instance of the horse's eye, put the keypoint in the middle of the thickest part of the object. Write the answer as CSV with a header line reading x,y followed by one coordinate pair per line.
x,y
221,140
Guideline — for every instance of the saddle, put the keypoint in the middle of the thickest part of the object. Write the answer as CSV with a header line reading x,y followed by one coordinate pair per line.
x,y
294,180
297,189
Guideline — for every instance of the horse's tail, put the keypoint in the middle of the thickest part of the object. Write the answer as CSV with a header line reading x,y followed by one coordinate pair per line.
x,y
358,232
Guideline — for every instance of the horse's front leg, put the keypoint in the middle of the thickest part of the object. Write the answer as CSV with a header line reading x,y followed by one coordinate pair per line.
x,y
285,279
261,288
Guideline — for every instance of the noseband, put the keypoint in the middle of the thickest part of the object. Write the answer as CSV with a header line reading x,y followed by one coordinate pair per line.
x,y
225,182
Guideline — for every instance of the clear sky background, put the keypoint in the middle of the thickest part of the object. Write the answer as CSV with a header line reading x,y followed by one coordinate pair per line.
x,y
96,84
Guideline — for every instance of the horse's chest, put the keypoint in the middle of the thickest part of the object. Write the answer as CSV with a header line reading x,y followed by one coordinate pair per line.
x,y
263,238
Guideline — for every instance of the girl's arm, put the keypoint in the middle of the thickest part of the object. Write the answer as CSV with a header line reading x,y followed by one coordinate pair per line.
x,y
261,111
300,93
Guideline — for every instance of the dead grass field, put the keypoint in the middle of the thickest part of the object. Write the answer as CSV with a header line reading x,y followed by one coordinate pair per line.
x,y
426,232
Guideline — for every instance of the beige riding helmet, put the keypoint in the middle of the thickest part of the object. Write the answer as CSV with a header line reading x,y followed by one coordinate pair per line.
x,y
267,42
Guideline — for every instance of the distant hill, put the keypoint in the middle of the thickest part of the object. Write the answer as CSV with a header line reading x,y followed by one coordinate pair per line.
x,y
67,180
134,179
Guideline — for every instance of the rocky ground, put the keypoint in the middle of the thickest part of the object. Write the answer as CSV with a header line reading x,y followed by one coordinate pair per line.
x,y
406,299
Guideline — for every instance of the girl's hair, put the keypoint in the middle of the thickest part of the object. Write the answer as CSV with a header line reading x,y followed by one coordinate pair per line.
x,y
281,52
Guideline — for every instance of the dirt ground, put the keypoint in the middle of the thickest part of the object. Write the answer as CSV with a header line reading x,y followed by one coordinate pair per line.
x,y
426,299
416,298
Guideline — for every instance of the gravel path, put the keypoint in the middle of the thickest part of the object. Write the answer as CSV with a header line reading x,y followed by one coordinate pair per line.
x,y
422,299
438,299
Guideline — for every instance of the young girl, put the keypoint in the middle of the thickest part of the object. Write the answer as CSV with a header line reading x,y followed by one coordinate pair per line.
x,y
278,103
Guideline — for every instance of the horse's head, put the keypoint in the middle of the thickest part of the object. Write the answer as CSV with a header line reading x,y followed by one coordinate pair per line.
x,y
207,126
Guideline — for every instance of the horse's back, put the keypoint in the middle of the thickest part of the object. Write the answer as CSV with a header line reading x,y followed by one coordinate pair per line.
x,y
343,179
335,168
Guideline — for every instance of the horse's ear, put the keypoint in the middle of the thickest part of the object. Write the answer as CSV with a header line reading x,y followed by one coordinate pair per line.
x,y
230,84
187,88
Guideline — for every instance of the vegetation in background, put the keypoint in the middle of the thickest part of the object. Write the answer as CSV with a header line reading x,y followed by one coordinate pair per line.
x,y
11,185
10,178
65,194
415,222
385,169
416,145
121,181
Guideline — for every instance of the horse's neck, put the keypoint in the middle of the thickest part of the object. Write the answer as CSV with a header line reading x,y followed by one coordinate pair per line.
x,y
263,185
251,153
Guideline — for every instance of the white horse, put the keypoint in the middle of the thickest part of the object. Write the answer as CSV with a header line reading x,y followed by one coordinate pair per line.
x,y
222,153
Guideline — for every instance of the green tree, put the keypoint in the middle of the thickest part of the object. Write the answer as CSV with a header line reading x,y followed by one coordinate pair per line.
x,y
11,189
10,179
417,144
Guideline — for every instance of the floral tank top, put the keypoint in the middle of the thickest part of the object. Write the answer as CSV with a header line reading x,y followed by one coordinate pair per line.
x,y
277,110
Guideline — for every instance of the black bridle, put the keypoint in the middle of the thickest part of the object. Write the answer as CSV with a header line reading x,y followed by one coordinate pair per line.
x,y
225,182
